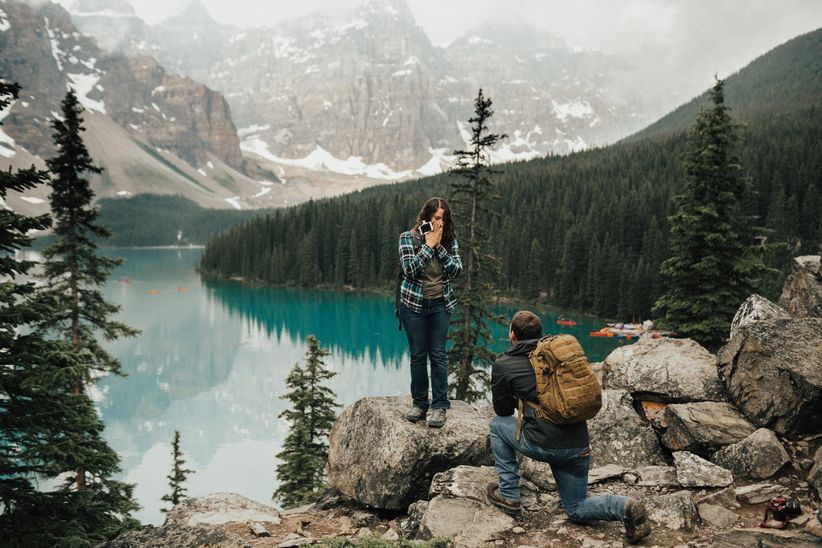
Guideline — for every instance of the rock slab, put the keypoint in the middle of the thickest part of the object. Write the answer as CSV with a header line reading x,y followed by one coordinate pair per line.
x,y
759,456
802,292
675,511
665,370
460,510
378,458
694,471
755,309
619,436
704,427
773,374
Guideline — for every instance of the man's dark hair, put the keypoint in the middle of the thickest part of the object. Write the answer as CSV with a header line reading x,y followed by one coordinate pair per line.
x,y
526,325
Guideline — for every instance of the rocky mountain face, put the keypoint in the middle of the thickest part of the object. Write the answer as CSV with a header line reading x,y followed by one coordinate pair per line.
x,y
365,92
150,129
43,51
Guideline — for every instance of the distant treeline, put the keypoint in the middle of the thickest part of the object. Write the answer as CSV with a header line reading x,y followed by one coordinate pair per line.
x,y
154,220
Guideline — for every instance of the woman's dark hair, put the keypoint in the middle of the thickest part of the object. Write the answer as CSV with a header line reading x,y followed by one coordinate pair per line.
x,y
427,212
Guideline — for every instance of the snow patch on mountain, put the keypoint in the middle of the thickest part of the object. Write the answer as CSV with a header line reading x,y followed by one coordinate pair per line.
x,y
574,109
4,23
56,52
6,142
83,84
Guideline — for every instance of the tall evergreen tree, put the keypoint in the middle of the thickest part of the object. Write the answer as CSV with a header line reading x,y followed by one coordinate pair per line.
x,y
472,195
178,475
47,431
73,272
712,267
305,451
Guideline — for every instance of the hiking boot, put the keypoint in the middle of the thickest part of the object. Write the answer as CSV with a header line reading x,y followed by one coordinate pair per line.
x,y
415,414
437,418
512,507
636,522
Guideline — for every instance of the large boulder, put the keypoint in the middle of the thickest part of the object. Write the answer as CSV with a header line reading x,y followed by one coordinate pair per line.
x,y
694,471
773,374
704,427
758,456
717,516
763,538
380,459
755,309
619,436
460,509
666,370
802,292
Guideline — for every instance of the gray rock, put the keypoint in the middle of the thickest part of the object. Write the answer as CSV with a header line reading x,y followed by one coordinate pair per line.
x,y
763,538
410,526
667,370
815,475
771,369
717,516
694,471
724,497
199,521
758,456
619,436
652,476
391,535
378,458
518,531
675,511
802,292
466,521
220,508
704,427
760,492
755,309
460,509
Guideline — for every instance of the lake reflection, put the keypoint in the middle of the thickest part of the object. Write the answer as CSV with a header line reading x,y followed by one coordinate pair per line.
x,y
212,360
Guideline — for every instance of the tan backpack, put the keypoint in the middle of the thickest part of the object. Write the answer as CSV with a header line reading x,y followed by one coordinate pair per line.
x,y
567,387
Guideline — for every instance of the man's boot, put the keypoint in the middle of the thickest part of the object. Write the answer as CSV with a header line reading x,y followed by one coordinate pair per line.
x,y
637,526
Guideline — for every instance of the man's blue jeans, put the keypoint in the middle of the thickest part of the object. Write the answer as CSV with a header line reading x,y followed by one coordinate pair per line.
x,y
426,334
569,468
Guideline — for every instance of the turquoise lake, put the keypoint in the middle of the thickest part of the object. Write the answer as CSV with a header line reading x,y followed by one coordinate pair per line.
x,y
212,360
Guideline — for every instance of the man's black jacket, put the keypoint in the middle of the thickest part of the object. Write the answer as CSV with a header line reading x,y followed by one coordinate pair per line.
x,y
512,378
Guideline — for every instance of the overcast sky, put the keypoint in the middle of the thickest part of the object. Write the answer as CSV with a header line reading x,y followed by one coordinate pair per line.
x,y
683,40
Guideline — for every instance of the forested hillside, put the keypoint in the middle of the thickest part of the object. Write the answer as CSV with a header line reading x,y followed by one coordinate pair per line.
x,y
588,230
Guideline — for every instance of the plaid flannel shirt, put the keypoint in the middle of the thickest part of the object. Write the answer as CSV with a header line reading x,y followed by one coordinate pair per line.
x,y
413,265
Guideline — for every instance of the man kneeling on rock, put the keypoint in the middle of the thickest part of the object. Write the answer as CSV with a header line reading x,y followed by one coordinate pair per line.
x,y
564,447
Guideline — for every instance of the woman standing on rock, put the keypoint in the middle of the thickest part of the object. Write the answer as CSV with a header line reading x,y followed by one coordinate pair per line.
x,y
429,260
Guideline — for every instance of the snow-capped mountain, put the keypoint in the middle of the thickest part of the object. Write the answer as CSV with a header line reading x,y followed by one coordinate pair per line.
x,y
364,92
151,131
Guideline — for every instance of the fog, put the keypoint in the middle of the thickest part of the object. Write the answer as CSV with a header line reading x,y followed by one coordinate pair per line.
x,y
675,46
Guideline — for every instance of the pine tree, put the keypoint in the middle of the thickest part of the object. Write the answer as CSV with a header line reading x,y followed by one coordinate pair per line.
x,y
472,196
301,473
47,431
177,476
712,267
73,272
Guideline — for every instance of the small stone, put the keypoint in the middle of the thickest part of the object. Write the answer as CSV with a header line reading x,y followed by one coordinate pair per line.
x,y
518,531
364,532
630,479
391,535
759,493
717,516
499,542
806,464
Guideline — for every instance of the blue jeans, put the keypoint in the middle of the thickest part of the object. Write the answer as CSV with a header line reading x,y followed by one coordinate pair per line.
x,y
570,471
426,334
